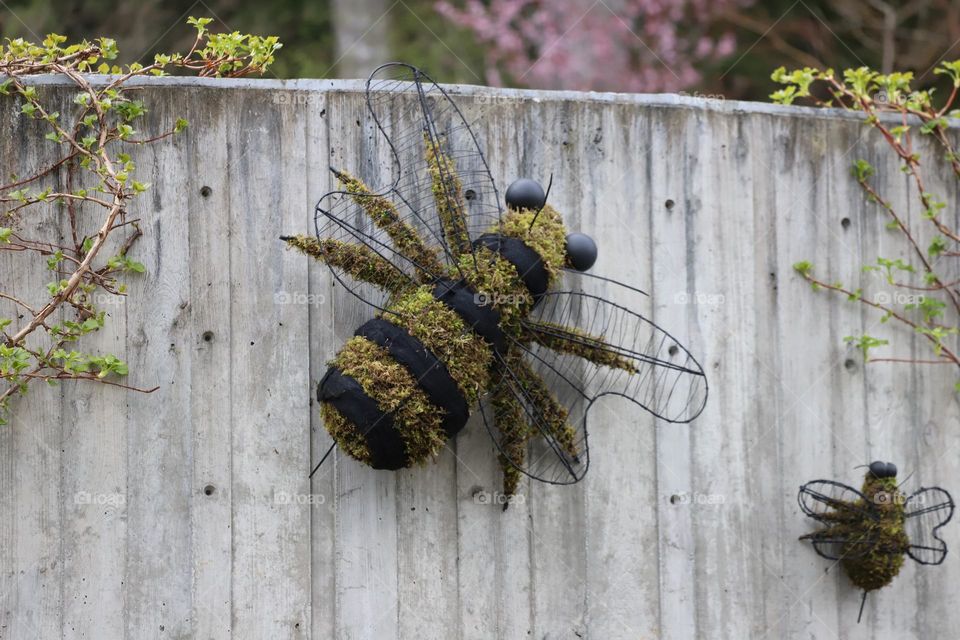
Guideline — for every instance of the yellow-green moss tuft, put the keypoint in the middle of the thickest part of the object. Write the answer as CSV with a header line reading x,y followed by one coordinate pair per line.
x,y
465,354
447,193
345,434
396,392
514,436
589,347
384,214
554,414
515,427
358,261
548,236
497,283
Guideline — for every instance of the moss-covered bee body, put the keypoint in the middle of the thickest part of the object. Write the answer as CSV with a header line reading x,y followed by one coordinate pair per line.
x,y
870,531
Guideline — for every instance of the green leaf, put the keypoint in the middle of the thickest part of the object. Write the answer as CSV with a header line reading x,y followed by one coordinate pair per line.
x,y
804,268
5,233
865,343
952,69
54,261
862,170
937,246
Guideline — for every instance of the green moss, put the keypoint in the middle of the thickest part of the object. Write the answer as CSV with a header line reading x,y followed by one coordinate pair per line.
x,y
465,354
887,537
397,393
548,236
554,414
447,193
345,434
384,214
515,427
881,565
499,284
587,346
514,436
356,260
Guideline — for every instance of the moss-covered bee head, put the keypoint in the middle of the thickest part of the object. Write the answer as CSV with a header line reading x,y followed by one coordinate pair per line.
x,y
541,227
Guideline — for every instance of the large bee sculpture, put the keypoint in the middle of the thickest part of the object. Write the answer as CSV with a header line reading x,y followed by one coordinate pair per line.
x,y
869,531
468,306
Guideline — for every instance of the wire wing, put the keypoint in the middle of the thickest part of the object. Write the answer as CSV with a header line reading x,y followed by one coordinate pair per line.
x,y
837,506
550,408
833,502
834,545
436,167
926,511
416,115
583,347
631,356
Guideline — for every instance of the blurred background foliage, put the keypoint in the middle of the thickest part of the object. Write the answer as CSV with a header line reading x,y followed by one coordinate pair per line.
x,y
717,47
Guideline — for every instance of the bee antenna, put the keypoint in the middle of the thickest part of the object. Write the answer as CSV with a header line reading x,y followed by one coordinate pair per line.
x,y
545,196
909,475
862,602
323,459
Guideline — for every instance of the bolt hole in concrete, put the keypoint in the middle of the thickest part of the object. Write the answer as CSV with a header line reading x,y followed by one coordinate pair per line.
x,y
850,364
208,336
845,223
673,350
209,489
674,499
205,191
469,194
669,204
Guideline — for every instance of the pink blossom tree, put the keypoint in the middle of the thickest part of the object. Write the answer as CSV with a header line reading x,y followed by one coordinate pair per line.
x,y
602,45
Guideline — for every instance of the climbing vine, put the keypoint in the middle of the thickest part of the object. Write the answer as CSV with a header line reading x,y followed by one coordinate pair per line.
x,y
91,180
924,292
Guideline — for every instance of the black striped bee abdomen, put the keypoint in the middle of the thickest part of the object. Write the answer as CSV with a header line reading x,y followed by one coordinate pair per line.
x,y
406,382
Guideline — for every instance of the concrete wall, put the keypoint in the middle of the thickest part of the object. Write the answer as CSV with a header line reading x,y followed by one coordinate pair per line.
x,y
185,513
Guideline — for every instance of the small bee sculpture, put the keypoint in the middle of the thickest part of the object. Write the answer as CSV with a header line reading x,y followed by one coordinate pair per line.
x,y
869,531
468,306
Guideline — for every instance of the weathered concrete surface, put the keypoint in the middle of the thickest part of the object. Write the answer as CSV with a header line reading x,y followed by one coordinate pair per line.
x,y
106,526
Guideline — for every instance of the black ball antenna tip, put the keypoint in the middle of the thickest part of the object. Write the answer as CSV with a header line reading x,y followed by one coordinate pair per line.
x,y
526,194
581,251
880,469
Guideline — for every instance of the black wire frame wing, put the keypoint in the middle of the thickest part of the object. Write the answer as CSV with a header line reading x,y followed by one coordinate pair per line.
x,y
926,511
412,116
848,546
834,503
654,371
658,373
